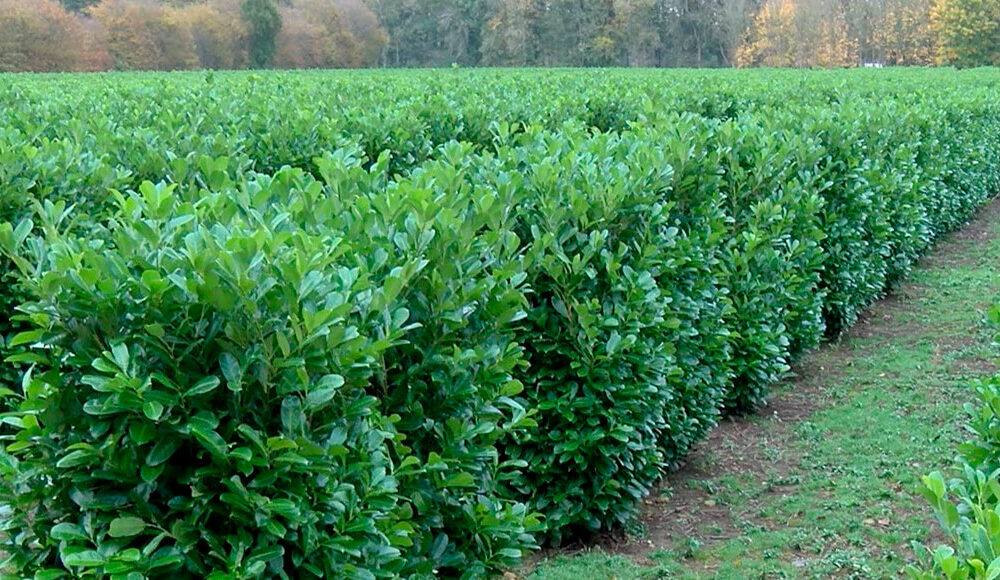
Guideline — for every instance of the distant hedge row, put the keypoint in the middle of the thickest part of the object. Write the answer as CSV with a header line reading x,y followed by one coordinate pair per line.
x,y
358,372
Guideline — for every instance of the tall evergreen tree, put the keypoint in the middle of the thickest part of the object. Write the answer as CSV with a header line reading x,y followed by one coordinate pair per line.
x,y
264,21
78,5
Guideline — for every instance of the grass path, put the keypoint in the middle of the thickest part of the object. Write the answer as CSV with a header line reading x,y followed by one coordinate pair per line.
x,y
820,484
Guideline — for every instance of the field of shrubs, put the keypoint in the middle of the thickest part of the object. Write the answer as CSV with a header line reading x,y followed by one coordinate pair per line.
x,y
417,324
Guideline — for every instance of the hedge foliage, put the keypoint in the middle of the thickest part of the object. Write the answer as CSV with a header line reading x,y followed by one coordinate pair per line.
x,y
415,341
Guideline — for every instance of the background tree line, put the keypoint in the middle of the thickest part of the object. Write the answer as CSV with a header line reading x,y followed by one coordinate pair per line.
x,y
49,35
43,35
689,32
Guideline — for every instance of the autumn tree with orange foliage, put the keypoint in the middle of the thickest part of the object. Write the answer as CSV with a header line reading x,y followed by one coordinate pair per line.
x,y
828,41
771,39
300,42
219,35
968,32
371,38
322,34
904,35
145,35
801,33
42,36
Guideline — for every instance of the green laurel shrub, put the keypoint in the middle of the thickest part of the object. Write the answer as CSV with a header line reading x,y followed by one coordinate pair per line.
x,y
774,256
620,279
453,381
345,339
43,169
215,386
855,218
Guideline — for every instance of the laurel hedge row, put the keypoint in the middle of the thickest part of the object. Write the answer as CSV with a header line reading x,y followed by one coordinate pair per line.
x,y
356,372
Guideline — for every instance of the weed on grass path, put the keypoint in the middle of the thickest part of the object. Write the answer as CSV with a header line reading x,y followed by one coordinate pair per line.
x,y
821,483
